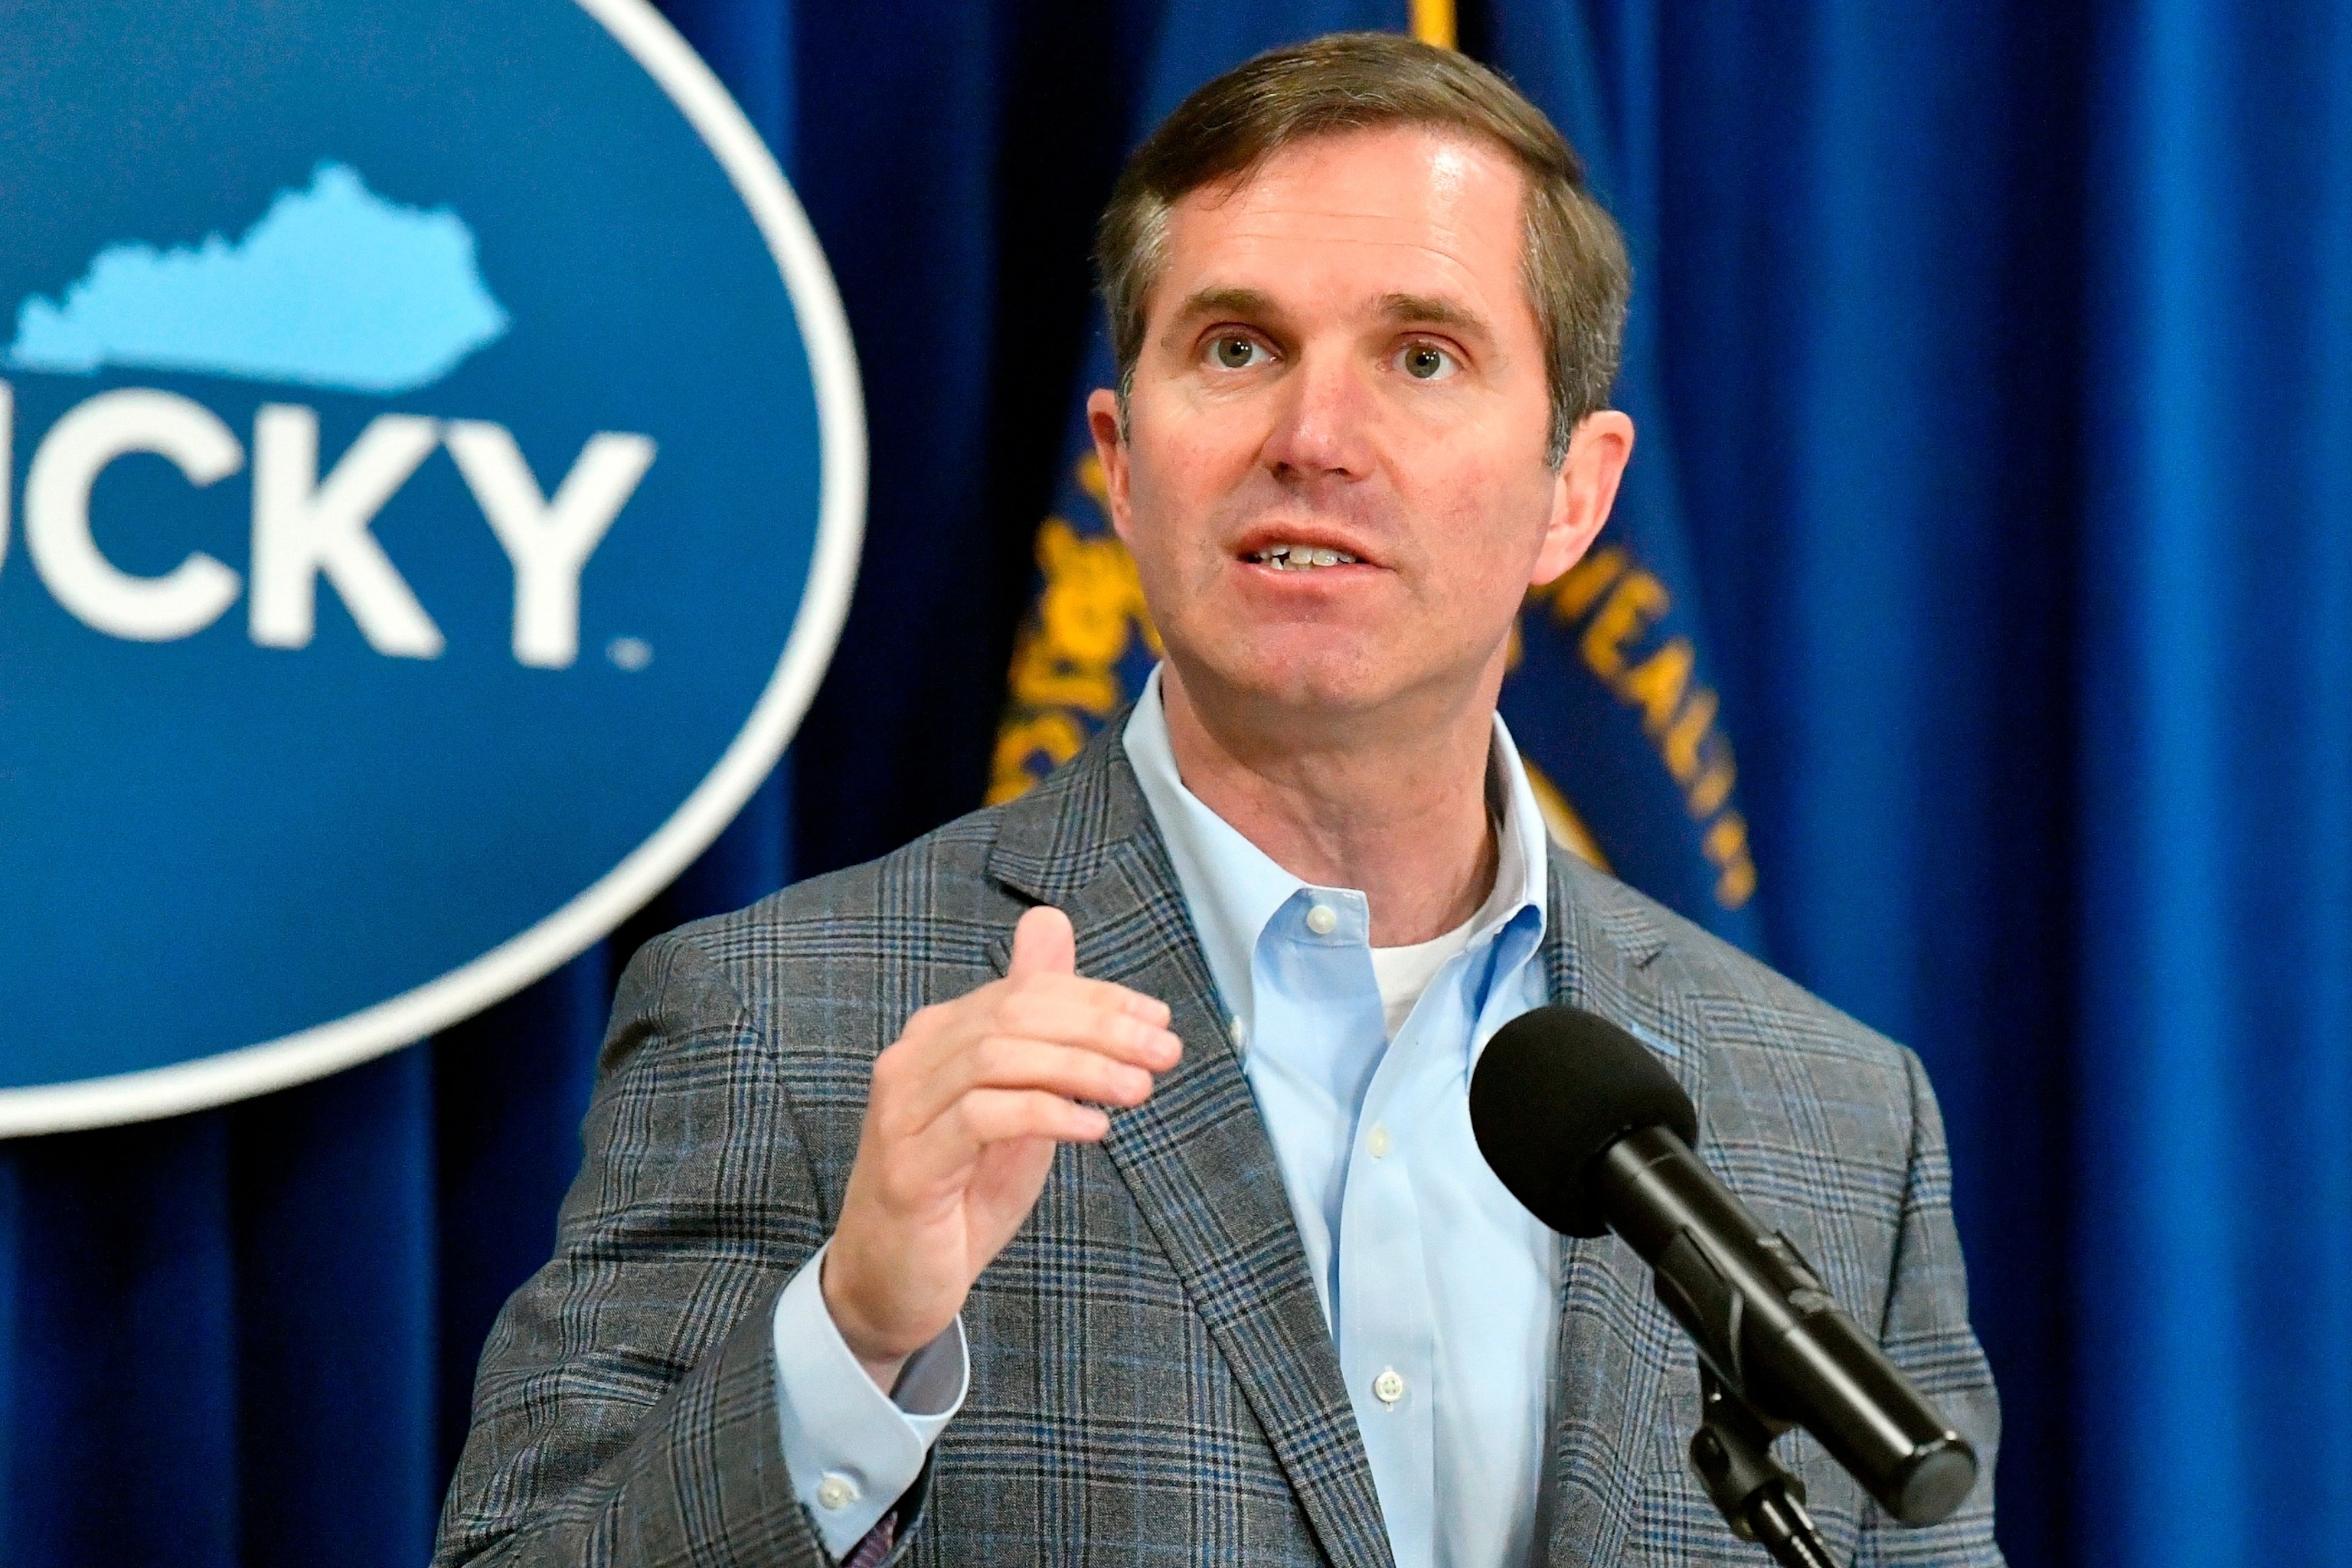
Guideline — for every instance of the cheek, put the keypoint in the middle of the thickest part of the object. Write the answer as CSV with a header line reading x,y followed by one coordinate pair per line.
x,y
1177,490
1486,539
1165,535
1197,445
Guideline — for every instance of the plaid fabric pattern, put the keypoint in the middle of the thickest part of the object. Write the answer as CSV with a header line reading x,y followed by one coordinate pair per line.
x,y
1152,1379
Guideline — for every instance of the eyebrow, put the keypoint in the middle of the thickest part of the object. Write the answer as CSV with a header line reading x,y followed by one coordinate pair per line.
x,y
1412,309
1226,303
1421,310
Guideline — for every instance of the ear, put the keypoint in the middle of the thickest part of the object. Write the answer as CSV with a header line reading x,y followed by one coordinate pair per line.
x,y
1110,447
1583,491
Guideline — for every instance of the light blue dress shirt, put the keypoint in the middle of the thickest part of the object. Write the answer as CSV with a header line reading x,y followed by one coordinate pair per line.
x,y
1437,1286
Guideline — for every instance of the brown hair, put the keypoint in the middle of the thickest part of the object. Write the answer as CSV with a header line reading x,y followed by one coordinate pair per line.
x,y
1577,274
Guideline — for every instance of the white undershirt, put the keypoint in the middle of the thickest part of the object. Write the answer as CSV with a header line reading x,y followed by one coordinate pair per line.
x,y
1404,973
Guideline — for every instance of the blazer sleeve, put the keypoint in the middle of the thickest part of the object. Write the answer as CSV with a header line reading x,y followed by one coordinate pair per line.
x,y
1926,1333
626,1409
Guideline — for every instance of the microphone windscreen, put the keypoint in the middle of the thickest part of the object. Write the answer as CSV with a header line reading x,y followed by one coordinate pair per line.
x,y
1553,1089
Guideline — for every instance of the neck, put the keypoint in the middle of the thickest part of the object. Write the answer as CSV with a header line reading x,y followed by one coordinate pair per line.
x,y
1392,805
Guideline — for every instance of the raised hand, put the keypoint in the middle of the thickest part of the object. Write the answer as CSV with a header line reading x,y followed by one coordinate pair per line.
x,y
966,1108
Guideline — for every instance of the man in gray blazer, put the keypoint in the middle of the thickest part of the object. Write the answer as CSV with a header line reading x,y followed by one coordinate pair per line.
x,y
1091,1181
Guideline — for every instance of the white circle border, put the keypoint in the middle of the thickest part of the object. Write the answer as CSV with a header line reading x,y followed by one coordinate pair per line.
x,y
404,1019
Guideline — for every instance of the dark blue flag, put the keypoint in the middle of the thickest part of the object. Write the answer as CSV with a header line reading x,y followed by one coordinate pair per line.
x,y
1610,699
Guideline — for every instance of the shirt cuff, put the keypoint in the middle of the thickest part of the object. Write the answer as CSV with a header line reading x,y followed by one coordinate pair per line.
x,y
853,1450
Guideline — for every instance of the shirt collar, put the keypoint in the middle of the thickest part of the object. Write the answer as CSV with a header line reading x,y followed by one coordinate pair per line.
x,y
1233,887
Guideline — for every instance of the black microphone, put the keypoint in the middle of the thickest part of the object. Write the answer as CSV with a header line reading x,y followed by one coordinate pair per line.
x,y
1592,1132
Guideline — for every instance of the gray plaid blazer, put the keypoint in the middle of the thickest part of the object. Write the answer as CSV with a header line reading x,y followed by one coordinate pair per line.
x,y
1152,1381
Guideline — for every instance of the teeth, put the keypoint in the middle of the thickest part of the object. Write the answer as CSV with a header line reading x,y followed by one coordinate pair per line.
x,y
1302,557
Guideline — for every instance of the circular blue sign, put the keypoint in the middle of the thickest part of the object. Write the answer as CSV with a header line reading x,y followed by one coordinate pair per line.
x,y
431,474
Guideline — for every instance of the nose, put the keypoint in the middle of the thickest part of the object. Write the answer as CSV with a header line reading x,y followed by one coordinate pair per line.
x,y
1322,427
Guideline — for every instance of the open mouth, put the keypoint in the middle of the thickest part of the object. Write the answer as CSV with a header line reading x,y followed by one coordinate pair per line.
x,y
1301,557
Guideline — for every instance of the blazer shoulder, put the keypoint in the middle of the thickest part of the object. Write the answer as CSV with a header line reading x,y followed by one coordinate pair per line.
x,y
1783,1070
1824,1124
975,873
1742,1000
941,877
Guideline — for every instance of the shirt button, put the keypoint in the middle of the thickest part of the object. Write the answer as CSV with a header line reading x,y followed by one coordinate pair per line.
x,y
1389,1387
1322,920
836,1492
1238,1032
1378,1142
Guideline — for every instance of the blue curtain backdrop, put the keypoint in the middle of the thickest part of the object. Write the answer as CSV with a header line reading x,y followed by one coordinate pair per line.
x,y
2007,349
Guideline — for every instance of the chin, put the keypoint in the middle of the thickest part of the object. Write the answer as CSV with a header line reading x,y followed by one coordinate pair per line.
x,y
1317,680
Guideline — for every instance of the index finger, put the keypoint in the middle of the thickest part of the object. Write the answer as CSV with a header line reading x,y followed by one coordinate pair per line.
x,y
1104,995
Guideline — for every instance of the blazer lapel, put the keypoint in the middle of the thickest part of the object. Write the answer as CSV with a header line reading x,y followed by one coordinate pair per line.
x,y
1616,1348
1196,1156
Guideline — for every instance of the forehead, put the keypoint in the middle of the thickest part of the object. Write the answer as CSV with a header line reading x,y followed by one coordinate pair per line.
x,y
1358,215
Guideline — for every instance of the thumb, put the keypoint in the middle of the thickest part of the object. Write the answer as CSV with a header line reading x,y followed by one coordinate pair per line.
x,y
1044,944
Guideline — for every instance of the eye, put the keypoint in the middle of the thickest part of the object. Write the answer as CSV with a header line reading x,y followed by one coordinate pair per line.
x,y
1426,362
1233,351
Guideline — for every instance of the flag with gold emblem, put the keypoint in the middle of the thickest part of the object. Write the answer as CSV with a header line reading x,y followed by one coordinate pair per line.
x,y
1608,695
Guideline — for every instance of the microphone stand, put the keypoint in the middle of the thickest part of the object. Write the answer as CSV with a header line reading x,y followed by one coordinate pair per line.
x,y
1758,1498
